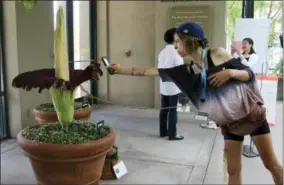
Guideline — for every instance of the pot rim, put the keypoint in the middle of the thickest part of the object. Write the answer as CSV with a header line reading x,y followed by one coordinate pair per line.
x,y
22,139
48,151
67,160
86,109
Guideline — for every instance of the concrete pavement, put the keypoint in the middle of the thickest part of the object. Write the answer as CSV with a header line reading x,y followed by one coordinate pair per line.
x,y
152,160
159,160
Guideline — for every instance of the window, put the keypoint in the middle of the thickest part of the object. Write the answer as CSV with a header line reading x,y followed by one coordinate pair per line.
x,y
81,36
81,39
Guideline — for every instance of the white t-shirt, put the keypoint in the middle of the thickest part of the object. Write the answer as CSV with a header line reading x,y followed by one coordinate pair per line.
x,y
168,58
253,59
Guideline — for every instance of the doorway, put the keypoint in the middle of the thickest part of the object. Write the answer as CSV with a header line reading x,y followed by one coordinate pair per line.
x,y
81,38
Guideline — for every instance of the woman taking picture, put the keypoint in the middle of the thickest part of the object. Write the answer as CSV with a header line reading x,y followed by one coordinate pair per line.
x,y
247,53
223,87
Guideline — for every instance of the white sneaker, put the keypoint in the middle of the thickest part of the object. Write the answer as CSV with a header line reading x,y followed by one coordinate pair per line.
x,y
210,125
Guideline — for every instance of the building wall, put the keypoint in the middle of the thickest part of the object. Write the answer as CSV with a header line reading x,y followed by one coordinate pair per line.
x,y
118,31
139,26
122,25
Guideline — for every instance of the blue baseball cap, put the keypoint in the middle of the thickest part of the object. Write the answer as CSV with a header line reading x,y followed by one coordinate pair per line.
x,y
191,29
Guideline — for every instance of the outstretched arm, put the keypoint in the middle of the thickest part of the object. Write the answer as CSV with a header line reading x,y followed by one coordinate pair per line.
x,y
135,71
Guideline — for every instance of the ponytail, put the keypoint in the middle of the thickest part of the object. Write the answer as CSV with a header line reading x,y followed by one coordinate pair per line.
x,y
203,43
251,50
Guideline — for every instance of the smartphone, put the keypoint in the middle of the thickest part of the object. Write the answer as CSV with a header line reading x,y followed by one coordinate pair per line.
x,y
107,64
105,61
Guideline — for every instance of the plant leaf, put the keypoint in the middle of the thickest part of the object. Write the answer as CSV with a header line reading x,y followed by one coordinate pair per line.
x,y
45,78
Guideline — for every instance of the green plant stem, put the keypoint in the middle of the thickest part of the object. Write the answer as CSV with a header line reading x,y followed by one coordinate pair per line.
x,y
63,101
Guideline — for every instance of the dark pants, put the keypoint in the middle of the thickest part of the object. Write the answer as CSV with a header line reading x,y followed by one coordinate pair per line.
x,y
263,129
168,117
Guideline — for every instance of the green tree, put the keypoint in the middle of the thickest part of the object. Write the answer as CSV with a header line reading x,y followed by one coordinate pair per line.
x,y
262,9
234,12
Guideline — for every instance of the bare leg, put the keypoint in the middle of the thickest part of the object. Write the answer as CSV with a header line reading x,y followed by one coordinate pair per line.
x,y
233,151
265,148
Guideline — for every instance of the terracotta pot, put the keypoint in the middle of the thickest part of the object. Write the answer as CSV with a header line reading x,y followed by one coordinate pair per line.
x,y
46,117
108,172
74,164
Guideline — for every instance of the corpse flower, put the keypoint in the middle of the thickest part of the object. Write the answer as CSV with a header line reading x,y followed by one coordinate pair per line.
x,y
60,80
71,151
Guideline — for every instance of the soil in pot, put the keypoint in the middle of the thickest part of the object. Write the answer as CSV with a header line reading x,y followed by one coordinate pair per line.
x,y
67,155
45,113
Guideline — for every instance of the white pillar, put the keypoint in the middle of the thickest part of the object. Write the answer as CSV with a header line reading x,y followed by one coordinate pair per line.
x,y
28,45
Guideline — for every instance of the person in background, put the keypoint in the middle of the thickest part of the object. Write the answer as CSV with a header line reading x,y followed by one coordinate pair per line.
x,y
247,53
167,58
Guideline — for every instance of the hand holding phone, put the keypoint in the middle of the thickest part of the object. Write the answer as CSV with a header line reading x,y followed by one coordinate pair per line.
x,y
237,46
107,65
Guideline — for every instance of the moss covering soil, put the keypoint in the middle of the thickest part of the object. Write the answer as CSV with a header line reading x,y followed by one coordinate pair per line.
x,y
74,133
48,107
